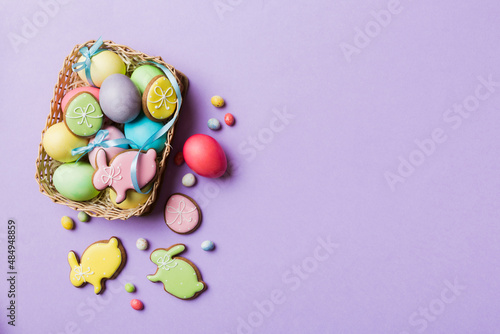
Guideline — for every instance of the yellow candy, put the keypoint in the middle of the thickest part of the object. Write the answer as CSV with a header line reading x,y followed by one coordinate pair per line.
x,y
217,101
103,65
133,200
58,142
67,223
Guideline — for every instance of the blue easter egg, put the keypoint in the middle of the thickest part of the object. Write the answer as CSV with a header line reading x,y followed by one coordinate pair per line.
x,y
213,124
140,129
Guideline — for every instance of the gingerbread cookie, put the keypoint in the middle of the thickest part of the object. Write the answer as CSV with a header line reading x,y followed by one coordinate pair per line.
x,y
118,174
159,100
180,277
83,115
102,260
182,214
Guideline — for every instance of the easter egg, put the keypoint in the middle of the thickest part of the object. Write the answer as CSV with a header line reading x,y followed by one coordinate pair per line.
x,y
113,133
133,200
119,98
140,129
74,181
102,66
143,75
205,156
58,142
69,95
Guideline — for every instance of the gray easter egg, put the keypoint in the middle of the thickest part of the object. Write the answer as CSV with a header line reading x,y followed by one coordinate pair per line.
x,y
119,98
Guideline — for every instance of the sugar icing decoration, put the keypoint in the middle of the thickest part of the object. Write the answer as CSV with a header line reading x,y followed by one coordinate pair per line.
x,y
83,115
100,261
180,277
160,100
182,214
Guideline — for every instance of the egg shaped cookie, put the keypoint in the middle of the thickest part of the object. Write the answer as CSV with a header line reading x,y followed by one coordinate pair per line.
x,y
58,142
102,66
159,100
83,115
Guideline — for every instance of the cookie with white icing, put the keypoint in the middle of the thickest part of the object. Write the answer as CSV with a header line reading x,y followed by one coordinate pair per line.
x,y
159,100
83,115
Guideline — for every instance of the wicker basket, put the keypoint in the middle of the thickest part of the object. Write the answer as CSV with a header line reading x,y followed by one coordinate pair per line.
x,y
100,206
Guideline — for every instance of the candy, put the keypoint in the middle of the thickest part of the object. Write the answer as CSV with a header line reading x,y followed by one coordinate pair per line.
x,y
136,304
58,142
189,180
129,287
205,156
67,223
229,119
213,124
119,98
179,158
83,216
207,245
74,181
141,244
102,66
217,101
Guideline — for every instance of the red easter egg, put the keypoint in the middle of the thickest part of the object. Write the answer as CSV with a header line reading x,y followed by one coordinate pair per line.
x,y
205,156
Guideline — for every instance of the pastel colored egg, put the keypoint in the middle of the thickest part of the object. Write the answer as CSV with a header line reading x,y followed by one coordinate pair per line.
x,y
114,133
159,100
179,158
143,75
189,180
205,156
213,124
217,101
119,98
83,216
229,119
141,244
83,115
67,223
136,304
207,245
132,201
74,181
141,128
129,287
58,142
69,95
102,66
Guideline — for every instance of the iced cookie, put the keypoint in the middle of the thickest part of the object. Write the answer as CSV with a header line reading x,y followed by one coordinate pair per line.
x,y
182,214
179,276
159,100
118,174
83,115
100,261
113,133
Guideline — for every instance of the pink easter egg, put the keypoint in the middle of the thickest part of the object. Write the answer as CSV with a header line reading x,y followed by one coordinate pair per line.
x,y
205,156
92,90
114,133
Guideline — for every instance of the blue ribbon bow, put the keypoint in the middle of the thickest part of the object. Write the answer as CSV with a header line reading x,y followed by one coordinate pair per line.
x,y
100,142
88,53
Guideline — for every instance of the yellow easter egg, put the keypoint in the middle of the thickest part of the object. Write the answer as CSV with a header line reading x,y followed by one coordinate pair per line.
x,y
58,142
102,66
133,200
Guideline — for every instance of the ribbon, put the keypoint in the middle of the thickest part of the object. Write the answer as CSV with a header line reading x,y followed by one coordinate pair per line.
x,y
166,263
180,211
100,142
162,131
88,53
81,274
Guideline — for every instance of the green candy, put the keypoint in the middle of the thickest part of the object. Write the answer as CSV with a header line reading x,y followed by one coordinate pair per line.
x,y
179,276
129,287
83,115
74,181
143,75
83,216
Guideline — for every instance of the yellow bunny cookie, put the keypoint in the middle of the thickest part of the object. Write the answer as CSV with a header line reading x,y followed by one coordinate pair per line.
x,y
100,261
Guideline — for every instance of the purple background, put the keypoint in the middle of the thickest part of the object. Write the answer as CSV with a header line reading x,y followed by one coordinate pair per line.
x,y
319,174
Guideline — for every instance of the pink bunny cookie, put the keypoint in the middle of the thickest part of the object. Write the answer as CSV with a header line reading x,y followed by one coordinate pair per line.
x,y
118,176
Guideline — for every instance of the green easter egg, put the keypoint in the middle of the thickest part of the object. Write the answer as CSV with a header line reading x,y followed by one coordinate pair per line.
x,y
143,75
74,181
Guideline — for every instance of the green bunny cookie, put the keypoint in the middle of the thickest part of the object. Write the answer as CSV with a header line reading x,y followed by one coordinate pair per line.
x,y
179,276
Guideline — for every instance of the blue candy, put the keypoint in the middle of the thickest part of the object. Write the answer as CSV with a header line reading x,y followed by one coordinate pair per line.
x,y
213,124
207,245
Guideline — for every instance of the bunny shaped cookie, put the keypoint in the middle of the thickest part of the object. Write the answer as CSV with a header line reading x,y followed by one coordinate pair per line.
x,y
100,261
179,276
118,174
